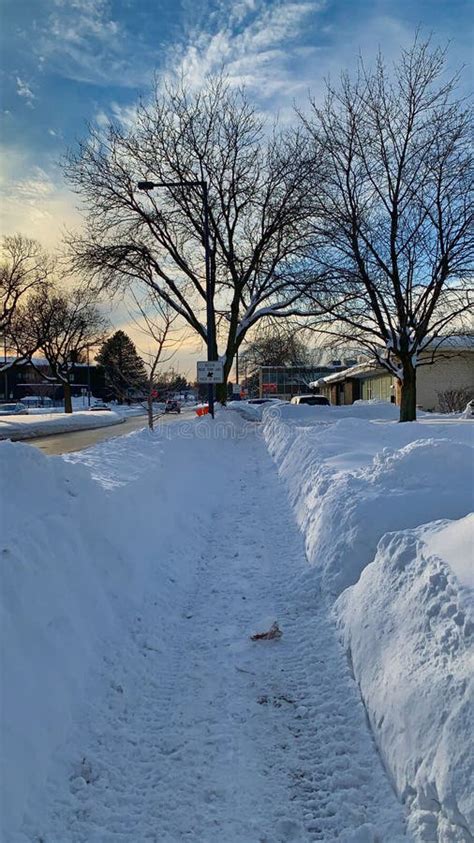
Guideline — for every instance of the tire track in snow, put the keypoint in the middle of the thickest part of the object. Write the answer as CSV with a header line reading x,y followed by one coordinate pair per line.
x,y
199,734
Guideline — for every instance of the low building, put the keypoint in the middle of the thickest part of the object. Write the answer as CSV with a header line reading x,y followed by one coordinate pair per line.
x,y
448,365
23,380
285,381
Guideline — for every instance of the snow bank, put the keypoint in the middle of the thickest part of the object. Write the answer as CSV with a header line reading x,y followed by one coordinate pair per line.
x,y
404,607
351,481
76,555
43,424
408,625
59,580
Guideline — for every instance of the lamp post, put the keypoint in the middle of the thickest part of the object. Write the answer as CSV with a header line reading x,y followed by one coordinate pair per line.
x,y
5,362
88,379
150,185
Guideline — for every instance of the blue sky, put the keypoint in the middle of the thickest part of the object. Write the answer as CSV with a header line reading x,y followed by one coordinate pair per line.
x,y
68,62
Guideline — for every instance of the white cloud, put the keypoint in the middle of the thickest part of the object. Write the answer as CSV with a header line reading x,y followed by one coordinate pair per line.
x,y
83,41
256,43
23,90
33,201
282,50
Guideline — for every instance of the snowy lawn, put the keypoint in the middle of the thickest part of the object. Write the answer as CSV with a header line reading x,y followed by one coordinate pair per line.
x,y
44,423
368,495
135,706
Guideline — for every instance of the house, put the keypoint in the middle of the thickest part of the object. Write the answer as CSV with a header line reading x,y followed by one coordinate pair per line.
x,y
447,364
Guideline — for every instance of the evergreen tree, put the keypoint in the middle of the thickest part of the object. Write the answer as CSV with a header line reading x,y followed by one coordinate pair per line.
x,y
125,371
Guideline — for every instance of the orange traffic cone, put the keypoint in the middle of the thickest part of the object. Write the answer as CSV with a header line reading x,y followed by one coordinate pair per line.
x,y
202,411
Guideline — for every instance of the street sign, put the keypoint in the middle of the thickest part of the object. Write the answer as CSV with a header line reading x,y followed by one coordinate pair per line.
x,y
236,388
210,371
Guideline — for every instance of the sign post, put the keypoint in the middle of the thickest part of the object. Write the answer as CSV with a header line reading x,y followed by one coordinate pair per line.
x,y
210,371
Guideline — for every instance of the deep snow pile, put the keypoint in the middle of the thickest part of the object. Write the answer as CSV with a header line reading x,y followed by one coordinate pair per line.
x,y
44,424
406,607
75,557
409,626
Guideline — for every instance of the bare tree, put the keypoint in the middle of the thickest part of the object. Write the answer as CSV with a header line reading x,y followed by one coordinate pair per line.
x,y
258,210
392,210
276,343
24,268
161,329
64,323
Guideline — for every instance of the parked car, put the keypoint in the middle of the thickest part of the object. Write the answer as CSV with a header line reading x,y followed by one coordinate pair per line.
x,y
99,407
172,407
18,409
263,400
313,400
37,401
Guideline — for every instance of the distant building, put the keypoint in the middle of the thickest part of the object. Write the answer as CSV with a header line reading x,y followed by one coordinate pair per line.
x,y
447,365
24,380
285,381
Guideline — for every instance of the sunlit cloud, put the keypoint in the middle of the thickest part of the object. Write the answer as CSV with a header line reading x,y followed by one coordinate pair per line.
x,y
33,201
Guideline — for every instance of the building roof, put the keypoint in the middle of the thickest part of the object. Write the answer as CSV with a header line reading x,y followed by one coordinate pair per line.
x,y
455,342
42,362
353,372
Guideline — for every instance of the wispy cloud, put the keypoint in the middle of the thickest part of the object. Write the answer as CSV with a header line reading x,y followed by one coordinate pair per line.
x,y
255,41
23,90
84,42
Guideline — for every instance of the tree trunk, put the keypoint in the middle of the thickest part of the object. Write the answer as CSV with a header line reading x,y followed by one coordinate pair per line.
x,y
67,398
221,392
150,411
408,392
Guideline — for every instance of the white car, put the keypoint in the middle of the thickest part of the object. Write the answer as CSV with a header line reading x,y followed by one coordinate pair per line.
x,y
18,409
312,400
37,401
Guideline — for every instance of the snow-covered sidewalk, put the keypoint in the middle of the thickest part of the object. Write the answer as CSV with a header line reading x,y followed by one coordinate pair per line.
x,y
193,732
43,424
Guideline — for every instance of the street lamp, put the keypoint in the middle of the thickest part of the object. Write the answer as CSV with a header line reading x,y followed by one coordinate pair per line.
x,y
5,387
88,378
150,185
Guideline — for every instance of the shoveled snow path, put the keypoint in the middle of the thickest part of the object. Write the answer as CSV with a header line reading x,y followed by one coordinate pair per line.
x,y
199,734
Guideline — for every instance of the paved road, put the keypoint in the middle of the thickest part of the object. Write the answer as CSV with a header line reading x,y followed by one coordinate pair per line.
x,y
65,443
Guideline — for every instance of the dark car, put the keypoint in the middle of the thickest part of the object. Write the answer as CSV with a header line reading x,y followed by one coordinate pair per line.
x,y
313,400
262,400
172,407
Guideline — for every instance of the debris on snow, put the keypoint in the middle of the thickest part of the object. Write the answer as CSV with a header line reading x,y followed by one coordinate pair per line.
x,y
272,633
